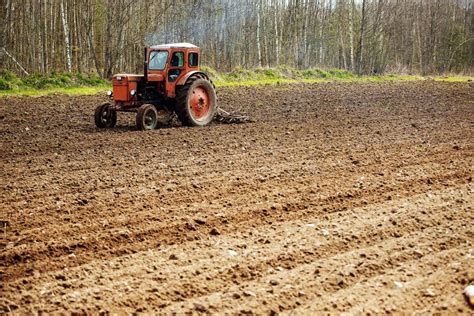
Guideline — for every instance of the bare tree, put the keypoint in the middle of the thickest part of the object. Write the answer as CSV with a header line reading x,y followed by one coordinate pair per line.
x,y
66,36
105,36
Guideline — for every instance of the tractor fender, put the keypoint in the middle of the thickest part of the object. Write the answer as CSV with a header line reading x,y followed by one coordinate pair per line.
x,y
185,78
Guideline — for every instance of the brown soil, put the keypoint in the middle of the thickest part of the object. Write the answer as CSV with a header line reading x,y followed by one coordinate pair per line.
x,y
339,197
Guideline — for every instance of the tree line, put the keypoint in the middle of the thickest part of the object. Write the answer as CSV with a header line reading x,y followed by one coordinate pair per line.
x,y
364,36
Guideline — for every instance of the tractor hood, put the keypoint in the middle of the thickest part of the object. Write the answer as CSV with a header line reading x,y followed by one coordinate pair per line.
x,y
125,78
125,86
128,77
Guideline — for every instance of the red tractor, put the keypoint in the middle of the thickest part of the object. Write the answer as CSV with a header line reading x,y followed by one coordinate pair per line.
x,y
172,82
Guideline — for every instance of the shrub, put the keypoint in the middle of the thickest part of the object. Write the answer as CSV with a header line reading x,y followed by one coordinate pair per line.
x,y
8,76
89,80
8,80
272,73
340,73
5,84
315,73
39,81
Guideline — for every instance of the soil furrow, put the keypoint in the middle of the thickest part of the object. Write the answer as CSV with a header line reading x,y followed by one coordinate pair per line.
x,y
331,195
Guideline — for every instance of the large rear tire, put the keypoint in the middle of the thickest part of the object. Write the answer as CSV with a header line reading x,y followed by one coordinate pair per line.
x,y
147,117
104,117
196,102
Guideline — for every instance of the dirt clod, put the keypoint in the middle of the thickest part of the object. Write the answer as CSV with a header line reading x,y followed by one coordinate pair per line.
x,y
200,221
249,293
200,308
214,231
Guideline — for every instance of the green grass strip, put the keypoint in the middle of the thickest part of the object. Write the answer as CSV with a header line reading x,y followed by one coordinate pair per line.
x,y
59,90
77,84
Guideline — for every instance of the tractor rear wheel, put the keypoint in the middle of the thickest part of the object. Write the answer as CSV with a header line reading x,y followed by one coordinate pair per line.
x,y
147,117
196,102
104,117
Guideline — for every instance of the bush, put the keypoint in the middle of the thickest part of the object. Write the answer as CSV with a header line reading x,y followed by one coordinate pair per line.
x,y
8,80
341,73
89,80
5,85
38,81
272,73
62,80
8,76
315,73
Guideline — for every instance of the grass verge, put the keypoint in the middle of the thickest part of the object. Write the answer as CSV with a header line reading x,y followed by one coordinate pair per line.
x,y
287,75
56,83
80,84
454,79
57,90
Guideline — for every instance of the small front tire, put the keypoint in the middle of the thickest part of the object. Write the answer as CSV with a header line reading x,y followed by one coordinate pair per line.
x,y
104,117
147,117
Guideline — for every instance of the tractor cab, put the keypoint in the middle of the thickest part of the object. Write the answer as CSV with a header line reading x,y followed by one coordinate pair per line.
x,y
171,64
172,82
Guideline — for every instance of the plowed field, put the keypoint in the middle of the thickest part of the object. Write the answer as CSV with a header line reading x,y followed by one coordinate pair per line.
x,y
338,197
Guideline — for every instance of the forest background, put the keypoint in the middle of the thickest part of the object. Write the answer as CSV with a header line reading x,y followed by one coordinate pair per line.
x,y
366,37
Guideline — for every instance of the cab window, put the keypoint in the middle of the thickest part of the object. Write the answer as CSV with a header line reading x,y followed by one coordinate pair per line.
x,y
158,60
177,60
193,59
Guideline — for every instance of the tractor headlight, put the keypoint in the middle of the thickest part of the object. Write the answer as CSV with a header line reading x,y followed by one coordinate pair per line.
x,y
133,92
109,93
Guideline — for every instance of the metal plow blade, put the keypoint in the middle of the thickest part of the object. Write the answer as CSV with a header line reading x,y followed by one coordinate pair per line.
x,y
225,117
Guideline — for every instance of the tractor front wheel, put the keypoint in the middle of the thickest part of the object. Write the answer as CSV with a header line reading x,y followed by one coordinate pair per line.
x,y
147,117
104,117
196,102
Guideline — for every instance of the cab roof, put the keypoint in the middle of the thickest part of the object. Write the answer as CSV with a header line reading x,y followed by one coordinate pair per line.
x,y
174,45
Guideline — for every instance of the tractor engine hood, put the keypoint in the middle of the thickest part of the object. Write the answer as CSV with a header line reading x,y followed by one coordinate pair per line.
x,y
128,77
125,86
125,78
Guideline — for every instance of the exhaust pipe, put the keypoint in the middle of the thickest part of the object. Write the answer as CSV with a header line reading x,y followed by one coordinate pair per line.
x,y
145,67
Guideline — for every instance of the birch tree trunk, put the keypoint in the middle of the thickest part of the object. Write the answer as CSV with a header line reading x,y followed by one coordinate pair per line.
x,y
305,34
259,49
277,37
66,37
351,33
343,49
361,39
321,29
